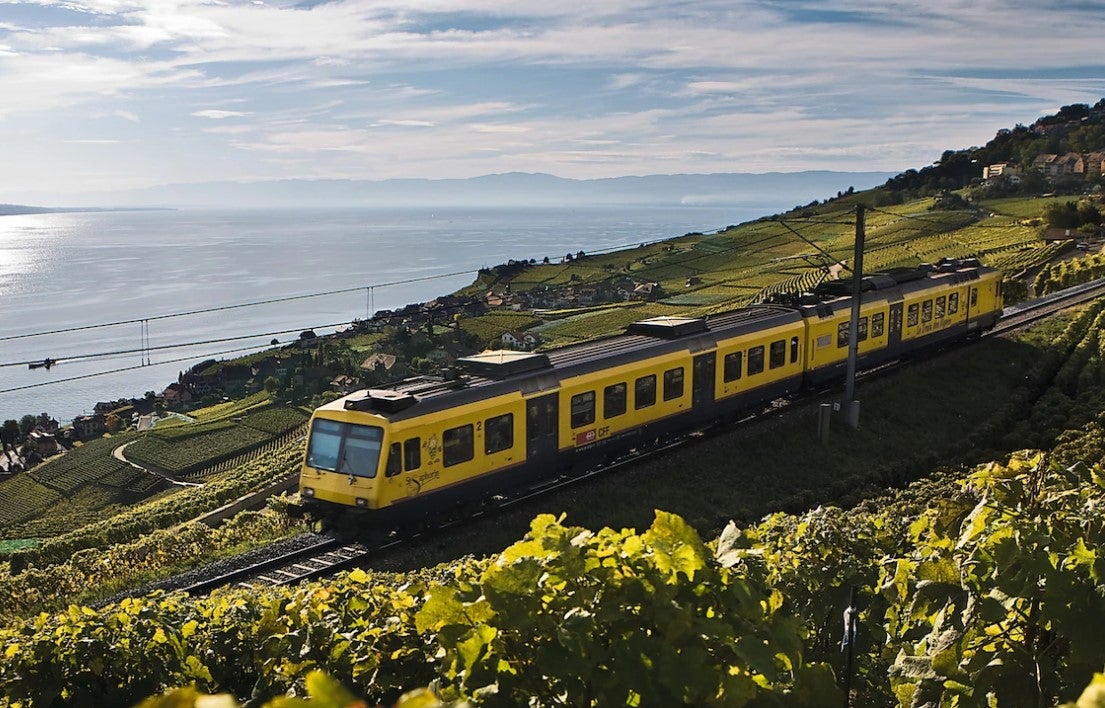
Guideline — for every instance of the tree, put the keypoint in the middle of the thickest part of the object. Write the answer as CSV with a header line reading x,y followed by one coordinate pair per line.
x,y
10,432
1088,213
27,424
273,387
112,423
1061,216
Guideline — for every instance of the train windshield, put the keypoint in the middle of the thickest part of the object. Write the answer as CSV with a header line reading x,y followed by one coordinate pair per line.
x,y
344,447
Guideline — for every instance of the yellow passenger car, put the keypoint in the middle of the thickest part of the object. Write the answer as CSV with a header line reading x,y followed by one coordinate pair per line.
x,y
505,420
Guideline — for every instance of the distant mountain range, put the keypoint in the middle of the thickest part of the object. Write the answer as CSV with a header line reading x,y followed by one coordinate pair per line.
x,y
511,189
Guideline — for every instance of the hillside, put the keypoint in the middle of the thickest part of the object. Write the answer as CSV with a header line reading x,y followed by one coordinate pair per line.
x,y
959,526
1077,128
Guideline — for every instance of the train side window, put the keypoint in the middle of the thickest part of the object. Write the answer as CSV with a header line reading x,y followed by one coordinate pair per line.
x,y
861,330
457,445
953,303
614,399
974,297
395,460
926,311
673,383
794,350
777,354
912,313
878,324
732,364
644,392
842,334
940,306
583,409
498,433
412,454
755,360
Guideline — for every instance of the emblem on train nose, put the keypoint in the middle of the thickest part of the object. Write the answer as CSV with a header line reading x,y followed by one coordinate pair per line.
x,y
432,448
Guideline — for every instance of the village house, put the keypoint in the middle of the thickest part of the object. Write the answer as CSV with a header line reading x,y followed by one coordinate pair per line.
x,y
647,291
1060,167
103,407
1095,164
1071,165
44,442
1057,234
199,384
343,384
175,395
89,426
384,366
233,378
520,341
11,463
1002,171
1047,164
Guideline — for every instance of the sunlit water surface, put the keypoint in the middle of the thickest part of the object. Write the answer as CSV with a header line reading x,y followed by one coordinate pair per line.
x,y
64,271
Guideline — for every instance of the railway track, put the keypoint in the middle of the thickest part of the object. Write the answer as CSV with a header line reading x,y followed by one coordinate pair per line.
x,y
332,556
318,560
1014,318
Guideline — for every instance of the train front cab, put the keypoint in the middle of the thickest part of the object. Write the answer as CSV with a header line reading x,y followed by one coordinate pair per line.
x,y
343,460
402,466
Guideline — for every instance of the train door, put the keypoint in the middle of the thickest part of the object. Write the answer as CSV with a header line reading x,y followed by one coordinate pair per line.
x,y
702,379
542,415
894,329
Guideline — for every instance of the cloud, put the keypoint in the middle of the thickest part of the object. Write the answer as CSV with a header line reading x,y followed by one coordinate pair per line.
x,y
215,114
428,87
408,123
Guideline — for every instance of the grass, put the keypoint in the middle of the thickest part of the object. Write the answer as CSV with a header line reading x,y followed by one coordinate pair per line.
x,y
490,327
1024,207
231,409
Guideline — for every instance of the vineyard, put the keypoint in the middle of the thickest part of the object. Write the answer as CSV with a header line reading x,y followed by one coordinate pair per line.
x,y
582,615
986,598
750,262
181,455
186,450
977,583
29,504
1069,273
54,572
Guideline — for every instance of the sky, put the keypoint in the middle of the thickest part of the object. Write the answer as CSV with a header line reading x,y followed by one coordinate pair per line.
x,y
102,95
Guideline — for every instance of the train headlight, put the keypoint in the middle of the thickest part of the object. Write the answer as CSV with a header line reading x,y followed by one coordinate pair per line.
x,y
308,492
362,502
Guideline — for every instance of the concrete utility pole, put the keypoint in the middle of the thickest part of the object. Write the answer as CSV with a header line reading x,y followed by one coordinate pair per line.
x,y
851,406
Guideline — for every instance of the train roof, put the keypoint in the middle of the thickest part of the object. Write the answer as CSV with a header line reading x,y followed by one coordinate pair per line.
x,y
889,286
494,373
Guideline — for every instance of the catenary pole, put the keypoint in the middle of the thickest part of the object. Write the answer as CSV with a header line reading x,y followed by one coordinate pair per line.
x,y
851,405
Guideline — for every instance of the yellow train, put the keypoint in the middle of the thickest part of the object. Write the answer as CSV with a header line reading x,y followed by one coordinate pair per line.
x,y
507,419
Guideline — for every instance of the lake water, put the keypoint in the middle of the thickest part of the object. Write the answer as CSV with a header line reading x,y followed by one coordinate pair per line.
x,y
80,270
